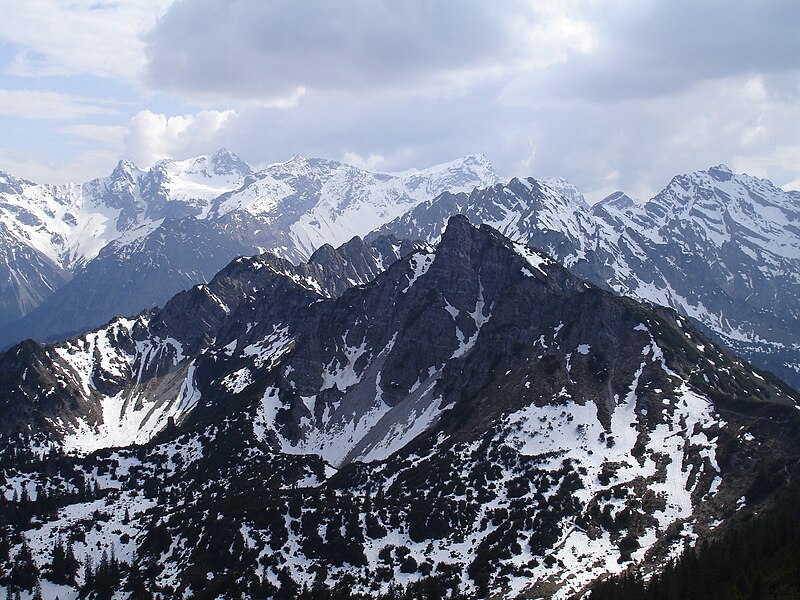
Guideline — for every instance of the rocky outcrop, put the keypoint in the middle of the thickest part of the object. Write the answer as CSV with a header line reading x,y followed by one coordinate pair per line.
x,y
718,247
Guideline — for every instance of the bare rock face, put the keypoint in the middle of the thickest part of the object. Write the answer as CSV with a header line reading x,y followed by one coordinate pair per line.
x,y
718,247
27,277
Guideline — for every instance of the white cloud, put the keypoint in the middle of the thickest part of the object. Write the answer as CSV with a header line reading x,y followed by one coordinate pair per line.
x,y
399,160
81,167
145,139
51,37
779,164
152,136
373,162
658,48
27,104
109,134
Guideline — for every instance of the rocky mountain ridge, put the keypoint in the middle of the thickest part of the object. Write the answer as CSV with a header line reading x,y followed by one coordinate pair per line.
x,y
132,240
474,416
721,248
132,376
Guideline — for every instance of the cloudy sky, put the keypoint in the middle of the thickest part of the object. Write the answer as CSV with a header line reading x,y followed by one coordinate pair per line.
x,y
610,95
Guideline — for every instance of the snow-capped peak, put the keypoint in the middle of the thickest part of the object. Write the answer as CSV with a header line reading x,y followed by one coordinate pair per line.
x,y
475,164
294,161
12,185
722,206
618,200
125,170
225,162
221,163
319,201
565,189
292,208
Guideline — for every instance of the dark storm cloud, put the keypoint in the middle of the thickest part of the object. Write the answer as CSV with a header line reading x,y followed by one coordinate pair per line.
x,y
648,49
253,48
686,39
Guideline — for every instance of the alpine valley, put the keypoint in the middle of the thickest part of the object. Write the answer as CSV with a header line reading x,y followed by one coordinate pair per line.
x,y
331,383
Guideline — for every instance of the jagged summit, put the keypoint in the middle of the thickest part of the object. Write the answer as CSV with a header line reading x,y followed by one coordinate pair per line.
x,y
514,208
225,162
125,170
222,163
313,201
457,226
716,246
474,405
721,172
150,233
12,185
224,154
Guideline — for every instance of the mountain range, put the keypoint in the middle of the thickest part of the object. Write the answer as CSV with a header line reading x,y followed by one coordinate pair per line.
x,y
313,381
470,417
77,255
720,248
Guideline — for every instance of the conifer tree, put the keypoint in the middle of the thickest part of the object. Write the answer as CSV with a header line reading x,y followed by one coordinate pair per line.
x,y
24,573
58,564
88,574
104,583
72,564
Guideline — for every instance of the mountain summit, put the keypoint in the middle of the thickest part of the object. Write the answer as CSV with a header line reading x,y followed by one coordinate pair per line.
x,y
472,414
719,247
132,240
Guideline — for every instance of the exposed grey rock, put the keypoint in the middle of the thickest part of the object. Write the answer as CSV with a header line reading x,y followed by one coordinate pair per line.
x,y
475,404
721,248
27,277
